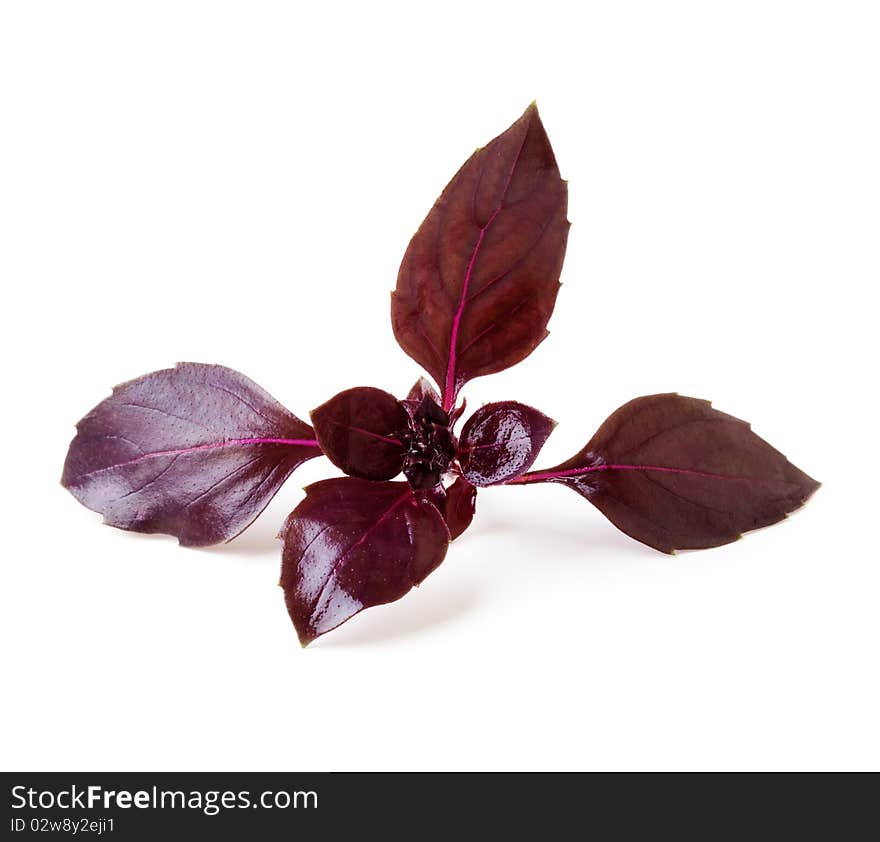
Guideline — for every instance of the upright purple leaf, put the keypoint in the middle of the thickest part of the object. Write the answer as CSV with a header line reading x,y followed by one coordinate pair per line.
x,y
500,441
479,279
674,473
195,451
359,431
352,544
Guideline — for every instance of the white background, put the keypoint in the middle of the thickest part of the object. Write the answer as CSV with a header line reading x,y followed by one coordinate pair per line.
x,y
236,183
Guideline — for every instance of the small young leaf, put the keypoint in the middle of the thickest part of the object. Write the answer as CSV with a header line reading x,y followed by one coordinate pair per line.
x,y
674,473
421,389
500,441
195,451
352,544
459,506
479,279
358,431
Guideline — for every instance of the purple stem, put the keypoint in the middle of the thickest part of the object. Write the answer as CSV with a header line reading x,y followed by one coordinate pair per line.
x,y
541,476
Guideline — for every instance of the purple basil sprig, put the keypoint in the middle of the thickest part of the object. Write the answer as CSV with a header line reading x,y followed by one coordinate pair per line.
x,y
198,451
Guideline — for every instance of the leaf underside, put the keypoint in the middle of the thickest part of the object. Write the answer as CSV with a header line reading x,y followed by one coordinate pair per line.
x,y
195,451
352,544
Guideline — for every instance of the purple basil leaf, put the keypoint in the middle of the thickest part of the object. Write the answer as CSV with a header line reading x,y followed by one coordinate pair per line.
x,y
422,389
479,279
359,430
500,441
429,411
455,414
352,544
431,445
195,451
459,506
674,473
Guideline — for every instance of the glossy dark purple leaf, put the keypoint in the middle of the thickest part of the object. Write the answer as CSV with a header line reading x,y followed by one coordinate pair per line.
x,y
500,441
359,431
459,506
674,473
427,410
479,279
195,451
423,401
352,544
